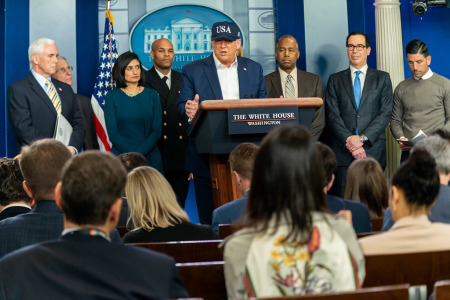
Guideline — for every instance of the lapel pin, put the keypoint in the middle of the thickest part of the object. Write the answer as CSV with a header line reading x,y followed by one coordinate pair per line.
x,y
245,69
60,89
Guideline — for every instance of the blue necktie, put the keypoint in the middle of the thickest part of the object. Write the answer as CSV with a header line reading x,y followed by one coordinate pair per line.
x,y
357,89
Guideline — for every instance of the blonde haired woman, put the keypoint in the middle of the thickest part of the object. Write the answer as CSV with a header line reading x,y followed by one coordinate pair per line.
x,y
155,212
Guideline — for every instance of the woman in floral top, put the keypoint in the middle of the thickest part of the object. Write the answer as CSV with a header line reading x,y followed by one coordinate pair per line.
x,y
290,245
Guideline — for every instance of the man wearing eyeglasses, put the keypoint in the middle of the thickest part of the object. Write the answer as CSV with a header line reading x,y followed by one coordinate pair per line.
x,y
358,109
64,73
34,102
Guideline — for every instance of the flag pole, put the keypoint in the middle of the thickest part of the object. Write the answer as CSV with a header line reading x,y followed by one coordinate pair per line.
x,y
108,4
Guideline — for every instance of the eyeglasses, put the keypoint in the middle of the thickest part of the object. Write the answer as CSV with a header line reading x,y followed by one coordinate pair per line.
x,y
63,70
358,47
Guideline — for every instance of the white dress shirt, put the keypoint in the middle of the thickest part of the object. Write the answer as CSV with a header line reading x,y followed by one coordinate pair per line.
x,y
169,77
283,77
362,76
228,79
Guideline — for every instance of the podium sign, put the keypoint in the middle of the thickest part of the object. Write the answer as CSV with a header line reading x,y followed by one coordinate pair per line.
x,y
260,119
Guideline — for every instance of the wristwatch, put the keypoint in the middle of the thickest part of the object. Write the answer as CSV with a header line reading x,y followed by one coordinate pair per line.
x,y
363,138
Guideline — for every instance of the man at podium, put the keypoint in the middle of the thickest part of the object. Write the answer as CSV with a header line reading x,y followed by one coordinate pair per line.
x,y
221,76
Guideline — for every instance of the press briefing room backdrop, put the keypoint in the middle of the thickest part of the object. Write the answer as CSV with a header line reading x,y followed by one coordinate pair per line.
x,y
319,25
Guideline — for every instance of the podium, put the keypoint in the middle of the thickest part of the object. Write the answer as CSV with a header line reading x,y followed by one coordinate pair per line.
x,y
217,132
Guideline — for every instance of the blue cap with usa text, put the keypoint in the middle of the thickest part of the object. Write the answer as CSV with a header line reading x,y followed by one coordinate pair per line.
x,y
225,30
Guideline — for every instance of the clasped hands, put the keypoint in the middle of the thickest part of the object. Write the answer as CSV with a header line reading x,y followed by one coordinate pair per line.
x,y
192,107
355,146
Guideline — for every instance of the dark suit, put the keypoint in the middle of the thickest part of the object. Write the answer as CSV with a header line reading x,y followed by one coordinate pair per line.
x,y
45,222
440,211
371,119
80,266
13,211
90,139
360,212
200,77
309,85
174,141
229,212
33,116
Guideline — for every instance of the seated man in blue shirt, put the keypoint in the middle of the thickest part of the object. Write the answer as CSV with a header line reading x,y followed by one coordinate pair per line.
x,y
360,212
241,161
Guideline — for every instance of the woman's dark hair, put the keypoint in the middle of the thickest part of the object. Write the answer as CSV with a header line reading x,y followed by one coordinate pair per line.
x,y
287,182
418,179
367,184
118,71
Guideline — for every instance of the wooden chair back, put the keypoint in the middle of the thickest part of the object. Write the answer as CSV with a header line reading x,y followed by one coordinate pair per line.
x,y
377,223
188,251
227,229
442,290
424,268
364,234
391,292
204,279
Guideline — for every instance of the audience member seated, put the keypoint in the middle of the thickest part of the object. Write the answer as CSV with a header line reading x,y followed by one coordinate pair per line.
x,y
414,188
83,263
41,164
131,161
241,163
439,149
359,211
13,198
155,212
290,245
366,183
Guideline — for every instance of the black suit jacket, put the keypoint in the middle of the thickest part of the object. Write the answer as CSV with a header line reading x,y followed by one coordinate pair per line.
x,y
90,139
371,118
309,85
200,77
33,116
79,266
174,142
13,211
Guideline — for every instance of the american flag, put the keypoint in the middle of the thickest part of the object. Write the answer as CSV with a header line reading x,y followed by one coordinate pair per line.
x,y
104,81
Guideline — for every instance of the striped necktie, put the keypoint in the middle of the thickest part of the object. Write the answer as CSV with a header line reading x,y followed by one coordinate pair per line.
x,y
53,95
289,88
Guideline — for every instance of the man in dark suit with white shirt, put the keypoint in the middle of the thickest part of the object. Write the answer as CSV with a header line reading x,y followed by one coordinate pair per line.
x,y
358,109
174,141
289,82
222,75
34,102
83,263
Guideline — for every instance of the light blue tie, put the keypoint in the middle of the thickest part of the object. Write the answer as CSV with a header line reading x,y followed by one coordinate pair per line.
x,y
357,89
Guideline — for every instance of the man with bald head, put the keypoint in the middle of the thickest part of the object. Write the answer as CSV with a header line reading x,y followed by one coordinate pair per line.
x,y
64,73
34,102
289,82
173,143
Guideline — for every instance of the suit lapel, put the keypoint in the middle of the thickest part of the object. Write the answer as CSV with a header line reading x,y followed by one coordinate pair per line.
x,y
213,78
301,86
348,85
42,95
368,82
174,86
159,85
275,80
